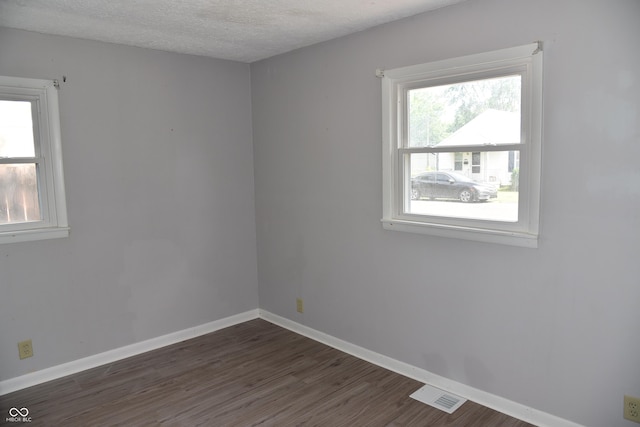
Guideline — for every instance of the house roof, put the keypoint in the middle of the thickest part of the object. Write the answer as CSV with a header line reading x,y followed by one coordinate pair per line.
x,y
492,127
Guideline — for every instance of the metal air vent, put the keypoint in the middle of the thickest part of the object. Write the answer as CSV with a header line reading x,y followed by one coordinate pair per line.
x,y
439,399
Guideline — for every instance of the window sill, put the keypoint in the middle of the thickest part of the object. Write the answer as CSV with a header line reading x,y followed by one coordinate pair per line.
x,y
511,238
35,234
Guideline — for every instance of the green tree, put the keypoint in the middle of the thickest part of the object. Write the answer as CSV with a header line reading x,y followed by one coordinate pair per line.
x,y
426,124
471,99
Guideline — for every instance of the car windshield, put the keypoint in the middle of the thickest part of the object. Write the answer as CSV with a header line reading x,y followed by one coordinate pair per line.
x,y
460,177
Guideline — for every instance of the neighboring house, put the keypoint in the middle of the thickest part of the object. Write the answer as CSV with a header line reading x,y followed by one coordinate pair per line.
x,y
492,127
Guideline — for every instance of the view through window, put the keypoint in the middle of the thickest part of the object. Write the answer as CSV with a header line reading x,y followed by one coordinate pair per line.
x,y
469,132
19,201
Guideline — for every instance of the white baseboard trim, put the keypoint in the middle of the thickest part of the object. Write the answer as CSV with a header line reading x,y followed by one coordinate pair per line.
x,y
506,406
59,371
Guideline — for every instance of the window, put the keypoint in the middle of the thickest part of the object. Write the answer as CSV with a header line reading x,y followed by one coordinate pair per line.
x,y
32,197
475,163
462,146
458,160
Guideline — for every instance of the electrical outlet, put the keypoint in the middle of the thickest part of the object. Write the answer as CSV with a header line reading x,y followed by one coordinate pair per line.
x,y
632,408
25,349
299,305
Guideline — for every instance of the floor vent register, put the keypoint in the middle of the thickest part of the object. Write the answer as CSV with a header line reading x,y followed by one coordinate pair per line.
x,y
439,399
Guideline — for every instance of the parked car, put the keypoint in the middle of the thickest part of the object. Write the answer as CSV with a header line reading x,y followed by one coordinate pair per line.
x,y
450,185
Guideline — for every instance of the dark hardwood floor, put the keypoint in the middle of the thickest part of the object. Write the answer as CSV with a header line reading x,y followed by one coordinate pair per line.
x,y
250,374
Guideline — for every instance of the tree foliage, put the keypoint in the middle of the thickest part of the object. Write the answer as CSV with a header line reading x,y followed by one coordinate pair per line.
x,y
426,127
437,112
471,99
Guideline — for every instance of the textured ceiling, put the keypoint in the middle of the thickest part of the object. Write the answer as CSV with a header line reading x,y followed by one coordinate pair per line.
x,y
240,30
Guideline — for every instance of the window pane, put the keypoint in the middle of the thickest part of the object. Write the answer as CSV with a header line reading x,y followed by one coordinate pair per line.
x,y
437,188
16,129
19,194
480,112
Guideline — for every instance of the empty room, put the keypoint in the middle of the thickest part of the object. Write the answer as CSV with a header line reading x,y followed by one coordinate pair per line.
x,y
330,213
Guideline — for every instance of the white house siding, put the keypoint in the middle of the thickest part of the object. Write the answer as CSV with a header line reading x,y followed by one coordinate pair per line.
x,y
494,166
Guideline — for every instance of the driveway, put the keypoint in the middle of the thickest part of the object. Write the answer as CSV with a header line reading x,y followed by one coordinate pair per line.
x,y
504,208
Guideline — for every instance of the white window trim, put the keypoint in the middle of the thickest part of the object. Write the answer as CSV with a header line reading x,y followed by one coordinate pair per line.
x,y
525,232
51,177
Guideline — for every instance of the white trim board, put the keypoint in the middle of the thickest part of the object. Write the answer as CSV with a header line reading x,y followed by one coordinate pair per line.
x,y
75,366
506,406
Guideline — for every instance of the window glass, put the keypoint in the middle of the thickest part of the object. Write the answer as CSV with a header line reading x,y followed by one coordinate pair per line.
x,y
458,161
16,129
18,181
478,112
475,162
18,194
444,192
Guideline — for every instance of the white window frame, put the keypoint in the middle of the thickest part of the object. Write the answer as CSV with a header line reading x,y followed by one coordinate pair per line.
x,y
524,60
43,94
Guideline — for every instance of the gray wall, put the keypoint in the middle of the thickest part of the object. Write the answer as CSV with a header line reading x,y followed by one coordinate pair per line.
x,y
554,328
158,163
159,170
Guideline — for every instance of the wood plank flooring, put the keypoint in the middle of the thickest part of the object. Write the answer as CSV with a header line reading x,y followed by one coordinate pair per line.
x,y
250,374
